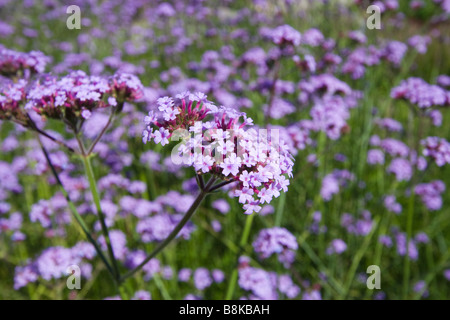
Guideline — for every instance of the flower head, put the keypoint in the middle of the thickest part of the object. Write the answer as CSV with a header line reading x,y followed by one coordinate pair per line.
x,y
437,149
419,92
14,64
274,240
74,96
285,34
125,87
215,141
11,99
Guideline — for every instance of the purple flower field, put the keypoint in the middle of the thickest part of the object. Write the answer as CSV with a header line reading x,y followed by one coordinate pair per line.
x,y
224,149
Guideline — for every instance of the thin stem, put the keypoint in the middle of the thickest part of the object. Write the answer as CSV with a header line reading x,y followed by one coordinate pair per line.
x,y
433,273
96,197
232,284
24,124
122,292
34,127
415,143
203,193
280,209
357,259
272,90
220,185
74,211
243,242
162,288
331,282
407,264
200,181
111,118
80,145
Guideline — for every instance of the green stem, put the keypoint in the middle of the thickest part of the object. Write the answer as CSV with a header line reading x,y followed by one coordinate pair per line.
x,y
45,134
433,273
382,230
220,185
232,284
243,242
331,281
200,181
34,127
318,201
122,292
407,263
96,197
272,91
111,118
162,288
409,222
248,225
280,209
74,211
357,259
203,193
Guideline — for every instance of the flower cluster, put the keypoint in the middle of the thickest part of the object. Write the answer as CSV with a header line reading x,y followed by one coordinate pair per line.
x,y
259,282
389,124
420,43
126,87
337,246
10,180
332,182
391,204
76,95
255,159
11,100
394,147
430,193
20,64
362,57
445,5
405,247
401,168
437,149
202,279
274,240
264,285
48,212
53,264
375,156
325,84
419,92
158,227
285,34
394,51
359,227
443,81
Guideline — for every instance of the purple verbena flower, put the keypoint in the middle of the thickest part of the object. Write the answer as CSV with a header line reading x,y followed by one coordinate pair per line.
x,y
202,278
274,240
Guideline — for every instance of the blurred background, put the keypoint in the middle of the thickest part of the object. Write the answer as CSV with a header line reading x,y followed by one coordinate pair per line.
x,y
354,106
